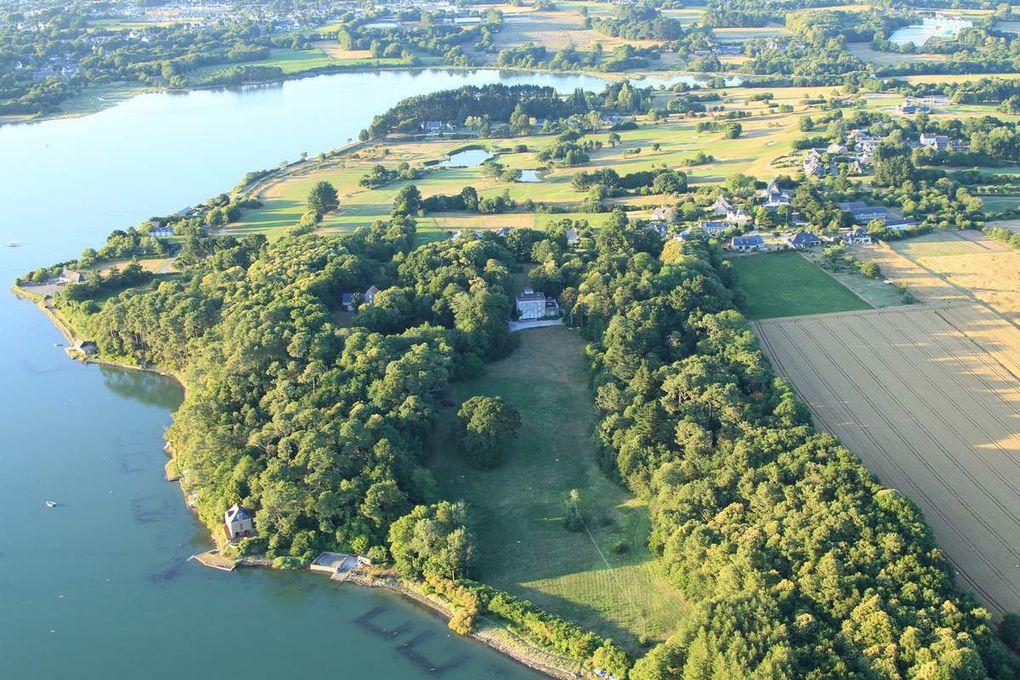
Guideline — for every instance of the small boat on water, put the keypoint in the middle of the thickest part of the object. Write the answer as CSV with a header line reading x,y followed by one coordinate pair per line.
x,y
51,504
13,244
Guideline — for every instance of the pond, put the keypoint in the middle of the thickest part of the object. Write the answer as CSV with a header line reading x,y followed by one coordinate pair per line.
x,y
468,158
531,176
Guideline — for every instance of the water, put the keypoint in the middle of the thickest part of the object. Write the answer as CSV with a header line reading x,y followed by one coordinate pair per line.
x,y
530,176
100,586
469,158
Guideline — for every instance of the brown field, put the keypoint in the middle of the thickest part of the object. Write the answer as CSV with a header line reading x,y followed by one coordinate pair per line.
x,y
556,30
955,265
929,397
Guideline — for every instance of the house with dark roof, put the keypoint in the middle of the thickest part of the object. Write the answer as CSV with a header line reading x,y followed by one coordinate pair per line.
x,y
898,222
347,301
802,240
238,522
714,227
747,243
368,297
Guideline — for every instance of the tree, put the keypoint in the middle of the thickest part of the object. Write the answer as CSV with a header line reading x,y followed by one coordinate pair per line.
x,y
322,198
732,130
806,124
407,201
484,429
433,540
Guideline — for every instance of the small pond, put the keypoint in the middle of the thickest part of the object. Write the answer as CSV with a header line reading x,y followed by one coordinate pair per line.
x,y
468,158
530,176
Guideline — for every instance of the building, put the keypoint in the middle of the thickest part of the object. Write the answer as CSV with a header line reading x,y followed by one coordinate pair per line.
x,y
347,301
803,239
664,214
864,213
937,142
530,304
572,237
774,197
503,232
71,276
715,227
856,236
747,243
898,222
239,522
368,297
722,206
738,217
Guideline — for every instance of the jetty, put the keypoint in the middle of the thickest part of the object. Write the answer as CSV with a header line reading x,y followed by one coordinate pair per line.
x,y
213,558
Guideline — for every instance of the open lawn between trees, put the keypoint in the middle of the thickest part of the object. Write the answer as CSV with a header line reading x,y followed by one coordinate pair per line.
x,y
519,507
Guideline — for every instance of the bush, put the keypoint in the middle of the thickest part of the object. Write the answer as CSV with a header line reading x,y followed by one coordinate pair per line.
x,y
620,546
1009,631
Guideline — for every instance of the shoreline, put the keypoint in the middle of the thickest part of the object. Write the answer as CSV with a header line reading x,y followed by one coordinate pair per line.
x,y
133,90
525,653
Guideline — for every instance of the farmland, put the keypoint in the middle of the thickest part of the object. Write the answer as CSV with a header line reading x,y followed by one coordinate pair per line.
x,y
786,284
956,266
519,506
928,396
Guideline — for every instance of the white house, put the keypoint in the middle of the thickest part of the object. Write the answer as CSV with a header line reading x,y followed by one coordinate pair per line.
x,y
239,522
368,297
721,206
530,304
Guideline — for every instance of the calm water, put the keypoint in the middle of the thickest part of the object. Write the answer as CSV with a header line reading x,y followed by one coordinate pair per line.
x,y
470,158
100,586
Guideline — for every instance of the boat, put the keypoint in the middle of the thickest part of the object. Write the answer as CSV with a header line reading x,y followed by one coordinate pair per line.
x,y
13,244
51,504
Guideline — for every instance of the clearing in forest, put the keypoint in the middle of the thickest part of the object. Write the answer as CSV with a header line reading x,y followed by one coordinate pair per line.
x,y
929,397
519,507
786,284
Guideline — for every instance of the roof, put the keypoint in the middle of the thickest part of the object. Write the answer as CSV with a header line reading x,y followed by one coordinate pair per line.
x,y
530,296
235,513
803,238
747,241
372,290
347,298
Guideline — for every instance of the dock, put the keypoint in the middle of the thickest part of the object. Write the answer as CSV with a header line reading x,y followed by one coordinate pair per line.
x,y
213,558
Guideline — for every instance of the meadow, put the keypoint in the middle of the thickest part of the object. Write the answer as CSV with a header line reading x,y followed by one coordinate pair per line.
x,y
519,506
787,284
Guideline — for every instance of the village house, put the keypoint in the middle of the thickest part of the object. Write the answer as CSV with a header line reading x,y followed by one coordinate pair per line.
x,y
434,127
347,301
162,232
572,237
747,243
239,522
802,240
368,297
738,217
774,197
71,276
533,304
856,237
937,142
714,227
503,232
722,206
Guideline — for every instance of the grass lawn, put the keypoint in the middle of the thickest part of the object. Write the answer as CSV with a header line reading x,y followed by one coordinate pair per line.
x,y
864,52
518,507
1000,202
786,284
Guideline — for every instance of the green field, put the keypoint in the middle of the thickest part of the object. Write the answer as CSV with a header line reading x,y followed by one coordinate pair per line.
x,y
1000,202
786,284
519,506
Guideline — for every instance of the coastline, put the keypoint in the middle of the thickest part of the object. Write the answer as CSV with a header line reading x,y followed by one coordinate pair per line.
x,y
131,90
498,636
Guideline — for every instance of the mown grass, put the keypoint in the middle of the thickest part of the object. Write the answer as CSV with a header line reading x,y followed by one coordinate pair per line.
x,y
519,507
786,284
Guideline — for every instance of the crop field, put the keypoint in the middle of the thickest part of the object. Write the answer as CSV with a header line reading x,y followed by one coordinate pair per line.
x,y
929,397
523,544
786,284
556,30
971,264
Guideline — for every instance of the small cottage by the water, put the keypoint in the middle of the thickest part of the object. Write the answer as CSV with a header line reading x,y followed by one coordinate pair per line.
x,y
239,522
